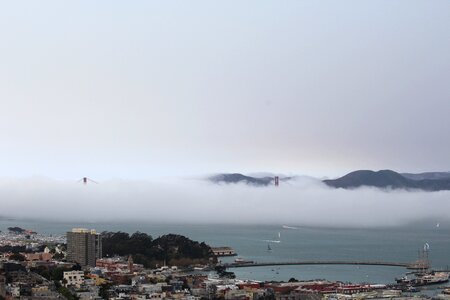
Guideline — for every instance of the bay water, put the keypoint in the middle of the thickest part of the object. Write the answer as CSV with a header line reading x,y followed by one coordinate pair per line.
x,y
251,242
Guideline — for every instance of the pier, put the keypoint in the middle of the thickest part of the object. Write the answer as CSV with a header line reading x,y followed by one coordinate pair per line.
x,y
412,266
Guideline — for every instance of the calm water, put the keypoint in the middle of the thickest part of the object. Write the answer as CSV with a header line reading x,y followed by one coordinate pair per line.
x,y
250,242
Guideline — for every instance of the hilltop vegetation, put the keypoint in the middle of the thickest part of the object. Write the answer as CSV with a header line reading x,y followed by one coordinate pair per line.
x,y
240,178
18,230
391,179
171,248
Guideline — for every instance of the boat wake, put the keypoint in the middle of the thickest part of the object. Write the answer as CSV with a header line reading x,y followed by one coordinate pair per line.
x,y
272,241
289,227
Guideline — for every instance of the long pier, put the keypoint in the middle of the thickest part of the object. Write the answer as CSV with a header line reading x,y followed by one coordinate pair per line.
x,y
412,266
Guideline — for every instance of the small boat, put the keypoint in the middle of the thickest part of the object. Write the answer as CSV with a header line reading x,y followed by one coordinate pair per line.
x,y
243,261
404,280
268,247
412,289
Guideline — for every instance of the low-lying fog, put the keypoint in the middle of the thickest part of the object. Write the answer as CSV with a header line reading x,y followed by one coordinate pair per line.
x,y
303,201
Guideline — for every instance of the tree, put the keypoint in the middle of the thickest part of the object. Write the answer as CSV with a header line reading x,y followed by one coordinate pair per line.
x,y
57,274
58,256
17,256
103,292
66,293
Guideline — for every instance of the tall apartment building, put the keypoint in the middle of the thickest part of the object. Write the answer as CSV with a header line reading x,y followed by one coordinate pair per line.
x,y
84,246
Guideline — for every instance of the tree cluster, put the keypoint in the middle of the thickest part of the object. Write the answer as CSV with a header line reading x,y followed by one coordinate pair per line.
x,y
17,257
13,249
16,229
170,248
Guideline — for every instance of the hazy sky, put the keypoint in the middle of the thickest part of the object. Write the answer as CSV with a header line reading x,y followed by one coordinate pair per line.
x,y
138,89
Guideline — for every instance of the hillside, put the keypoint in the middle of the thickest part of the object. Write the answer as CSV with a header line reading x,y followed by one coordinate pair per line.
x,y
427,175
389,179
256,180
238,178
171,248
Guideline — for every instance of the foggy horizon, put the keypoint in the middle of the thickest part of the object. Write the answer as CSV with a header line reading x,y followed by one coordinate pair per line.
x,y
303,201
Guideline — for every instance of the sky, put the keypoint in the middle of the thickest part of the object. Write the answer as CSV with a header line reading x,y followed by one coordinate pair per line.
x,y
146,89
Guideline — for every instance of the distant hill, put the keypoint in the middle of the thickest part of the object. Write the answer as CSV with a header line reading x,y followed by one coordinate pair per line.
x,y
391,179
240,178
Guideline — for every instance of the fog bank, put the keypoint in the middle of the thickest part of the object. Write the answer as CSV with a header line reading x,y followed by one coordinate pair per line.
x,y
301,202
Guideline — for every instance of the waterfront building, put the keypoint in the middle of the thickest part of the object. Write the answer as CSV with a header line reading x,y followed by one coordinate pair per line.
x,y
84,246
223,251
